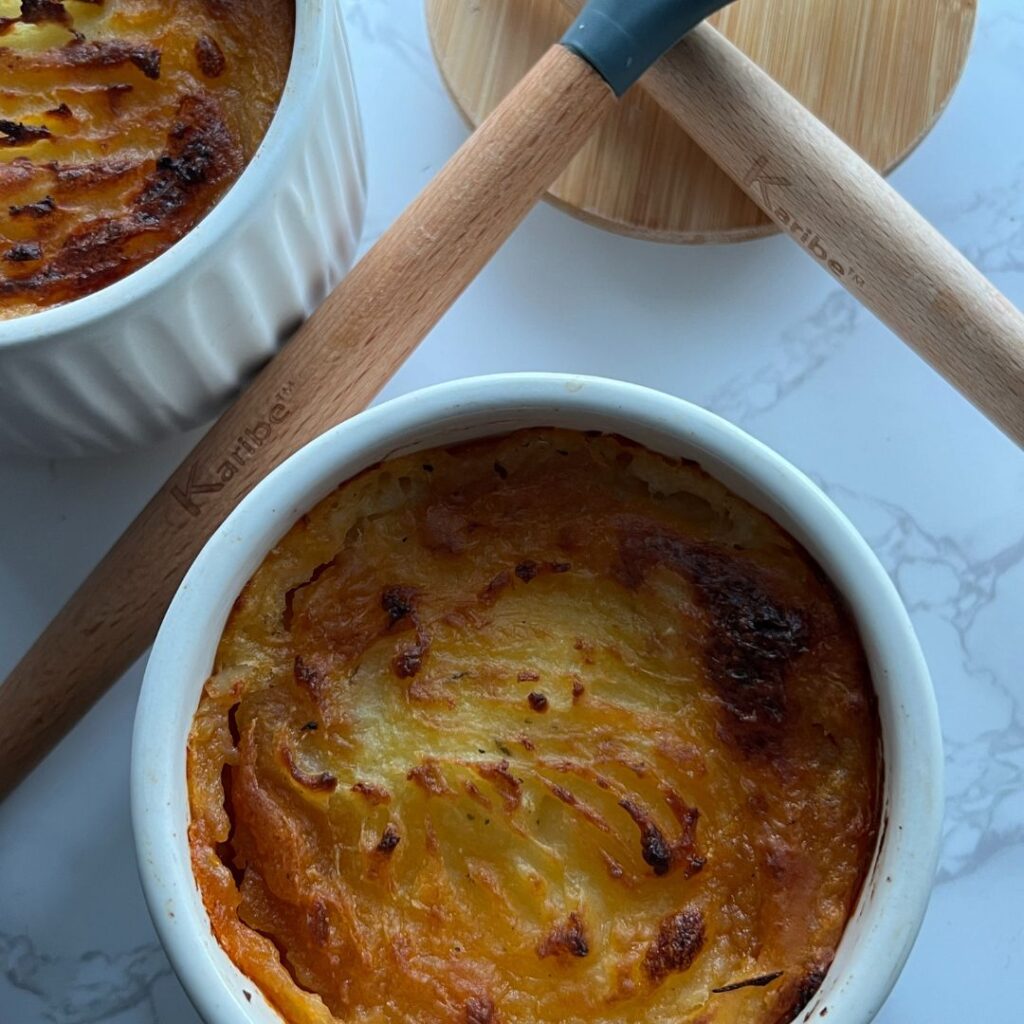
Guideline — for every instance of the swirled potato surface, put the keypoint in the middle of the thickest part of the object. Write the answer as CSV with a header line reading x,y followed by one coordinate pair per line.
x,y
122,122
541,728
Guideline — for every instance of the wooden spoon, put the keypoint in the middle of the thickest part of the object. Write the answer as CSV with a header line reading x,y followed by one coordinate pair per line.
x,y
847,217
336,362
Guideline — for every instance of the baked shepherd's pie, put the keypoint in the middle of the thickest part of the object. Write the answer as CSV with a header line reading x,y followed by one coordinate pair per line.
x,y
122,122
541,728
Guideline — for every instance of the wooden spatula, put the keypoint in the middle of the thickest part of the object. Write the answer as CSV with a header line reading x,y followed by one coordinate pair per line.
x,y
337,361
349,348
847,217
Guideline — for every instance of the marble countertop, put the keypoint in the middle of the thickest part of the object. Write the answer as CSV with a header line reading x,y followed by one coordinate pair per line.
x,y
757,333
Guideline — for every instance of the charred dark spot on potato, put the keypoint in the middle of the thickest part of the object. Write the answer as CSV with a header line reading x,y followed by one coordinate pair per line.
x,y
318,782
398,602
389,839
501,471
198,143
480,1010
41,208
660,853
201,155
653,846
24,252
63,112
526,571
684,849
800,992
37,12
209,56
568,938
578,689
93,54
752,638
15,133
104,53
538,702
679,941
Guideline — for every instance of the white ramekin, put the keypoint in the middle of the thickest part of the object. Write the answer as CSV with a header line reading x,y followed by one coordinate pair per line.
x,y
895,894
162,349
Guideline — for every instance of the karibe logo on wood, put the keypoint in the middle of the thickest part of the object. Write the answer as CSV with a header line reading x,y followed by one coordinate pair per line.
x,y
248,444
759,180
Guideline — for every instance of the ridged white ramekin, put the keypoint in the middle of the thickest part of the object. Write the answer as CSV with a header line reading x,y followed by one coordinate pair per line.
x,y
885,922
163,349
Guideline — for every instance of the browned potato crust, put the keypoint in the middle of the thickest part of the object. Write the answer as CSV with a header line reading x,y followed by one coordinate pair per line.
x,y
122,122
542,728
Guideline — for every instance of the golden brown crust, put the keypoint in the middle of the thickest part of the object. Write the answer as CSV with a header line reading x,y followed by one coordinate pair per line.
x,y
541,728
121,125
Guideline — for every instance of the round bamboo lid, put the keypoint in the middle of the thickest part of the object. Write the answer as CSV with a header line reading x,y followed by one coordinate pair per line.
x,y
879,72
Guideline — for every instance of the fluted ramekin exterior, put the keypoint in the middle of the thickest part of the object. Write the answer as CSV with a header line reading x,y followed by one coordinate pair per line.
x,y
164,348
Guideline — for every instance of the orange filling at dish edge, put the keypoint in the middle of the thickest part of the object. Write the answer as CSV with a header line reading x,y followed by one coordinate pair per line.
x,y
539,728
122,123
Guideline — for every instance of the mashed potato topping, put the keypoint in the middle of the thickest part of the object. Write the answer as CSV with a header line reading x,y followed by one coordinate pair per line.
x,y
541,728
122,122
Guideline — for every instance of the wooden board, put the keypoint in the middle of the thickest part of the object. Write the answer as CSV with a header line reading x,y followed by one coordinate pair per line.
x,y
879,72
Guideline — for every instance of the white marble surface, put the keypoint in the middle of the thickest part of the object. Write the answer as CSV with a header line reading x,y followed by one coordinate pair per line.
x,y
755,332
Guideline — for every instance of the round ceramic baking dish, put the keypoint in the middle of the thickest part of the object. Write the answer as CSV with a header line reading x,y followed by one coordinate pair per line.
x,y
162,349
883,927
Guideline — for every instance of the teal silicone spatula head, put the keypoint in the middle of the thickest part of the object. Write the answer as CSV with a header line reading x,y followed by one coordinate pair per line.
x,y
621,39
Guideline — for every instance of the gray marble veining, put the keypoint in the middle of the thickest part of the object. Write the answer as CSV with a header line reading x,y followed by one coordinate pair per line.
x,y
95,986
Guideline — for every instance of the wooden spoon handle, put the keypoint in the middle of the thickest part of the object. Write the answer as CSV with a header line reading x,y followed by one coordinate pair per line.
x,y
339,359
847,217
